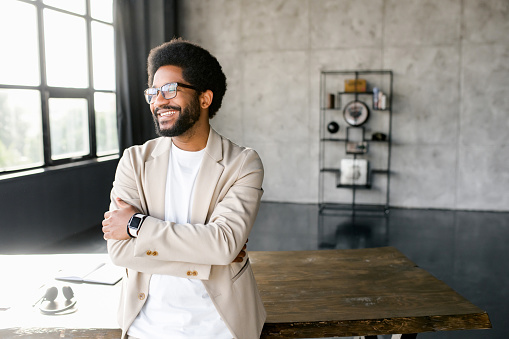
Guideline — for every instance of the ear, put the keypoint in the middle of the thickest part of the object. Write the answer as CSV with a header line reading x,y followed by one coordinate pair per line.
x,y
206,99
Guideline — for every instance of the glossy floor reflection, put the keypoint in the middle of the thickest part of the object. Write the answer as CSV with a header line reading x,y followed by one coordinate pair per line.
x,y
466,250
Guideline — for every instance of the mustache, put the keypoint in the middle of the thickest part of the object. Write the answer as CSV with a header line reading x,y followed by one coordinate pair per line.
x,y
166,107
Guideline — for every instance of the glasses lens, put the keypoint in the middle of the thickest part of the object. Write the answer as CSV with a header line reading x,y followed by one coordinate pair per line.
x,y
169,90
150,94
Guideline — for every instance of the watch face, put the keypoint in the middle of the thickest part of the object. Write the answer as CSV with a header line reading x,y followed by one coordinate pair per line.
x,y
135,222
356,113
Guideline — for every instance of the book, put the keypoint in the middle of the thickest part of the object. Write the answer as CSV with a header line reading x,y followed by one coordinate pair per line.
x,y
104,274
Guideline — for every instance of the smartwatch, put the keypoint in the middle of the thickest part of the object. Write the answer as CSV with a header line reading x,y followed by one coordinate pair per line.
x,y
134,224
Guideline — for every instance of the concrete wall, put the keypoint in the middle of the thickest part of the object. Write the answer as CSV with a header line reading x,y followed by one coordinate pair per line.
x,y
451,81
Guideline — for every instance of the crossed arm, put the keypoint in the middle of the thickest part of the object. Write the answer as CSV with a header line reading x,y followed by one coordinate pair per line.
x,y
114,225
220,241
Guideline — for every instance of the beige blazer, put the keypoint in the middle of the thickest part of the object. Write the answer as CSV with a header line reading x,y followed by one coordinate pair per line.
x,y
226,200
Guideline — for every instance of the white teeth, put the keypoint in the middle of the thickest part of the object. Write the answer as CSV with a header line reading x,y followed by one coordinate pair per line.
x,y
165,114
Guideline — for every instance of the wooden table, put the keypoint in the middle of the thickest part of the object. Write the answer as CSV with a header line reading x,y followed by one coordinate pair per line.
x,y
313,294
307,294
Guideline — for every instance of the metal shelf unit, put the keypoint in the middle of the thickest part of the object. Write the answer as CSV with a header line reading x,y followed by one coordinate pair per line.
x,y
331,81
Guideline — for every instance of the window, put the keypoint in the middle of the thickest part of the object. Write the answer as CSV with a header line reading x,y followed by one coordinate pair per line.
x,y
57,82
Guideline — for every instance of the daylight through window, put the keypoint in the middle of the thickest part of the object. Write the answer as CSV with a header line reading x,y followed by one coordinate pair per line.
x,y
57,82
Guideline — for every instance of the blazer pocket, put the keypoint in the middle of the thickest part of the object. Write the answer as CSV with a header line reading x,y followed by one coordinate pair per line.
x,y
241,271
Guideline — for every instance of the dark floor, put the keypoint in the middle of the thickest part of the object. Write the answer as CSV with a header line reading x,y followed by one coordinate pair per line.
x,y
467,250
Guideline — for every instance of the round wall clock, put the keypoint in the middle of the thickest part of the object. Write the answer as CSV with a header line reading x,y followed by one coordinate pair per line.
x,y
356,113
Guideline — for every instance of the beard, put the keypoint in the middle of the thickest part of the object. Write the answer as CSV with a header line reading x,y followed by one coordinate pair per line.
x,y
187,118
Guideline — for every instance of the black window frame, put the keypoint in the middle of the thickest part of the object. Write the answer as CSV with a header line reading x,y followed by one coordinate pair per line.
x,y
47,92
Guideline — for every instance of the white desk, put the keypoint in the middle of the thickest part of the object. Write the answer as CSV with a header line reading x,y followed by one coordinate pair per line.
x,y
25,279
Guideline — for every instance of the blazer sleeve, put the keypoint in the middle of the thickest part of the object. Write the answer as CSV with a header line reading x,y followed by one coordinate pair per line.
x,y
216,242
127,188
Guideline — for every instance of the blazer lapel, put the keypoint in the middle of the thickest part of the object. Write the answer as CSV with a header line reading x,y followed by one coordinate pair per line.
x,y
208,176
156,173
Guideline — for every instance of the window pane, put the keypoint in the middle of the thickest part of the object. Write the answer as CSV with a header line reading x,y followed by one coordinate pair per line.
x,y
103,51
19,59
106,123
68,120
75,6
21,144
102,10
66,50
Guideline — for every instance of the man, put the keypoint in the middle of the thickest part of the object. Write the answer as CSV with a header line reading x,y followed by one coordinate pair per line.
x,y
182,207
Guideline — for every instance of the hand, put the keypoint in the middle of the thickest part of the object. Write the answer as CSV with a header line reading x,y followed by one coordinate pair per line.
x,y
115,222
241,254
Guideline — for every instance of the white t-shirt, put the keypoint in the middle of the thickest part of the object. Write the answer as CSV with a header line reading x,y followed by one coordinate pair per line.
x,y
177,307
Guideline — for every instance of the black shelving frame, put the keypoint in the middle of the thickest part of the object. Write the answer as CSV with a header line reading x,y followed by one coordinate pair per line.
x,y
329,207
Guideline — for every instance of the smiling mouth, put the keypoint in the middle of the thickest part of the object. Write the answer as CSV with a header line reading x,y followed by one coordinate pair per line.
x,y
166,114
163,112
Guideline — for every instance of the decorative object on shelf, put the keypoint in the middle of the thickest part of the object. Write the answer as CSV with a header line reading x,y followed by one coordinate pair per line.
x,y
354,172
378,136
356,113
355,85
379,99
356,147
331,100
333,127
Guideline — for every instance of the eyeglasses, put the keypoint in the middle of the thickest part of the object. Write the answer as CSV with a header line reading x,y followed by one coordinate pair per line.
x,y
168,91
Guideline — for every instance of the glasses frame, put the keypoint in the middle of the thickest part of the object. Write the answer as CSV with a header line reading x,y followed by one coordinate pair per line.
x,y
165,93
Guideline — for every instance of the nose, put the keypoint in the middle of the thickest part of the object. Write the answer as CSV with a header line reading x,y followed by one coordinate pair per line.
x,y
159,98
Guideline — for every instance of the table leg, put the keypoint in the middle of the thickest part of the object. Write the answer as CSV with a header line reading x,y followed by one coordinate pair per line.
x,y
404,336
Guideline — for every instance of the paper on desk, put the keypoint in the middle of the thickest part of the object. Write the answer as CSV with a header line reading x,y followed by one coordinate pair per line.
x,y
104,273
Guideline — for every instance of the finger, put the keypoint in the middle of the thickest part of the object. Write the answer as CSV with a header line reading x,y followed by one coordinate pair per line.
x,y
107,214
237,259
243,248
241,254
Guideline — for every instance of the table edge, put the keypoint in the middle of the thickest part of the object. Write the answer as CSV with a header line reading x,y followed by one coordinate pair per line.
x,y
398,325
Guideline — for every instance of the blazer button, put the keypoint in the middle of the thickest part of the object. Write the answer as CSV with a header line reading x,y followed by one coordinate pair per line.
x,y
141,296
149,252
189,273
155,253
195,273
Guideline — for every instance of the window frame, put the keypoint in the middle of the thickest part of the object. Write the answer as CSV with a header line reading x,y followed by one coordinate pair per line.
x,y
47,92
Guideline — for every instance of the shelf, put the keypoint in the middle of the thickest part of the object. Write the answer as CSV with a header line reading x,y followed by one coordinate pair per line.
x,y
332,105
333,170
334,139
359,72
342,108
372,171
366,186
331,109
356,93
337,208
379,171
346,140
371,140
